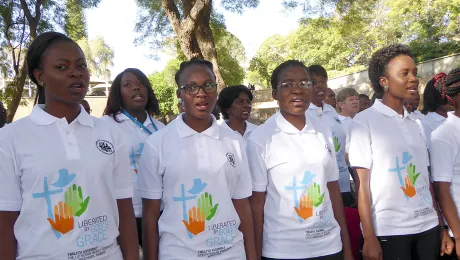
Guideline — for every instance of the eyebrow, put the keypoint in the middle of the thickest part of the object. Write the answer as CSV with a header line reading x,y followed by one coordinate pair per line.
x,y
66,60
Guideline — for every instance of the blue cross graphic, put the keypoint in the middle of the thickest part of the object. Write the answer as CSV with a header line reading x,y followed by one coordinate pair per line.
x,y
134,156
47,195
184,199
294,188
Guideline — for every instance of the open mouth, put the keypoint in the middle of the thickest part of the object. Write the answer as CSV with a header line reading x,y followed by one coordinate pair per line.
x,y
78,87
138,97
298,101
202,105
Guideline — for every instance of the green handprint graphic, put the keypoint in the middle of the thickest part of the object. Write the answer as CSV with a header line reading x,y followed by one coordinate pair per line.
x,y
411,172
74,198
205,205
314,192
337,144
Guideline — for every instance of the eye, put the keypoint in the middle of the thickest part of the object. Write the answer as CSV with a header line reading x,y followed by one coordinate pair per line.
x,y
83,66
61,67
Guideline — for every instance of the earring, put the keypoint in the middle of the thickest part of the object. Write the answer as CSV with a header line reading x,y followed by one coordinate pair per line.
x,y
180,101
386,88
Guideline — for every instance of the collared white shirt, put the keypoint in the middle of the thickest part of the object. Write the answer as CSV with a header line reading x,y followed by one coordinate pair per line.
x,y
48,167
135,138
392,147
430,122
418,114
329,116
346,124
249,128
293,167
445,156
196,175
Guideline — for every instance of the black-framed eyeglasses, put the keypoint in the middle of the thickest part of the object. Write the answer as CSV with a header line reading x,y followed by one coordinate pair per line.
x,y
302,84
319,81
193,89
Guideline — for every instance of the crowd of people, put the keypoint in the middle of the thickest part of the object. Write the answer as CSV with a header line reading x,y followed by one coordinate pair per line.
x,y
329,176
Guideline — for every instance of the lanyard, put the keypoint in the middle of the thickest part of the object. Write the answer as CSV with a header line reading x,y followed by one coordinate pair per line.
x,y
139,123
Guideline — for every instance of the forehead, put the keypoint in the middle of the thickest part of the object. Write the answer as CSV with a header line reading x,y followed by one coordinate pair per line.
x,y
63,50
401,62
196,73
293,73
129,76
330,91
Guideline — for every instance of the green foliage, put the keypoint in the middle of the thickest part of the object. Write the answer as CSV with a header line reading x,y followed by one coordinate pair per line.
x,y
75,22
164,86
99,56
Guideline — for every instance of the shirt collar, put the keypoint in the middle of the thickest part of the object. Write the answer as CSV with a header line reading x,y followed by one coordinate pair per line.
x,y
343,118
386,110
288,128
40,117
437,117
321,110
184,130
453,119
123,117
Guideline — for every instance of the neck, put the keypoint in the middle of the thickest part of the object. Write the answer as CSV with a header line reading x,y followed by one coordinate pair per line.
x,y
298,121
318,103
60,110
237,125
140,115
394,103
347,114
457,111
441,112
197,124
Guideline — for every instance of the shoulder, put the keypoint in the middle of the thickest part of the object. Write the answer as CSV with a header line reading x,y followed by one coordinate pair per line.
x,y
13,131
168,132
263,132
445,132
158,123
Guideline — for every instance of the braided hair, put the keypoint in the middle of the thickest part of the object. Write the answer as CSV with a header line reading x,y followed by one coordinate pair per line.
x,y
448,85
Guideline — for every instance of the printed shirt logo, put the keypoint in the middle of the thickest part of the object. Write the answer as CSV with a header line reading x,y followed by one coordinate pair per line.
x,y
338,120
231,159
407,185
134,157
328,149
313,198
105,146
61,216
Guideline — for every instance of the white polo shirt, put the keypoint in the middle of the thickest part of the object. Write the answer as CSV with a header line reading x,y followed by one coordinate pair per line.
x,y
445,155
249,128
293,167
196,175
430,122
64,179
418,114
346,123
392,147
329,116
135,138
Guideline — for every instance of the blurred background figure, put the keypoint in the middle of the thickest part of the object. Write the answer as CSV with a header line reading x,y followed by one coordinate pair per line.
x,y
330,98
365,102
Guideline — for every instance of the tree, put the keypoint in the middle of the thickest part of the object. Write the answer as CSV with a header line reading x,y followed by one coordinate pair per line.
x,y
190,20
75,21
99,56
21,21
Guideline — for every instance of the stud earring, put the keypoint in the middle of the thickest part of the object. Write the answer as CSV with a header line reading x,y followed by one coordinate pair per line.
x,y
386,88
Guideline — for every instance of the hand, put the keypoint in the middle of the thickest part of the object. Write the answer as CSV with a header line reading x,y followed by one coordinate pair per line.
x,y
447,245
305,209
74,198
411,171
409,190
337,144
372,249
63,218
195,223
205,205
314,192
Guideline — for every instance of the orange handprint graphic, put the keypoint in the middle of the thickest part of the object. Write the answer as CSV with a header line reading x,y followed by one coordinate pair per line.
x,y
195,223
63,218
409,190
305,209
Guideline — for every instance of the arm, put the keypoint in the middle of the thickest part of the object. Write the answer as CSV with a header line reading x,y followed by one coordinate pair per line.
x,y
337,207
246,227
127,240
371,248
449,211
8,246
150,217
257,201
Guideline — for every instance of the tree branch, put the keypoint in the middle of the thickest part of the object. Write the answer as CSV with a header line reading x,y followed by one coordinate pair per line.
x,y
27,11
173,14
195,15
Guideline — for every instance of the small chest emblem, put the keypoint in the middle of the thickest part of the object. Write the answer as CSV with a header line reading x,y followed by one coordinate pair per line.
x,y
328,150
337,119
231,159
105,146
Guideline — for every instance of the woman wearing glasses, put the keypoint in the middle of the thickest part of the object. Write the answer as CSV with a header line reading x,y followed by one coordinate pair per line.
x,y
199,170
235,103
296,204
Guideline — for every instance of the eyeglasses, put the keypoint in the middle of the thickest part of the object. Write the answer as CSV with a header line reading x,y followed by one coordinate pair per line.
x,y
319,81
193,89
301,84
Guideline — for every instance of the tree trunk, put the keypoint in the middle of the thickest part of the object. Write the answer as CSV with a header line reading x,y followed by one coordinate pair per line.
x,y
18,89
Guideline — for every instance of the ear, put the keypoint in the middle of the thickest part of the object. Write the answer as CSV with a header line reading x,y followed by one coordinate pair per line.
x,y
274,92
340,104
383,81
38,76
178,93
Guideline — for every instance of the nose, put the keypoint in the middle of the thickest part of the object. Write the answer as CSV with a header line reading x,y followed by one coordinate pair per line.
x,y
75,72
136,86
201,93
